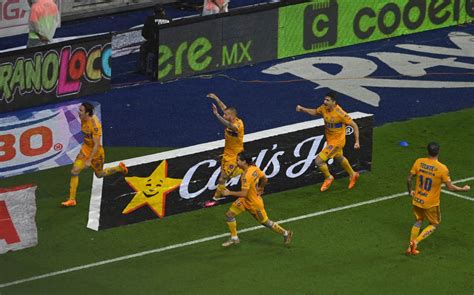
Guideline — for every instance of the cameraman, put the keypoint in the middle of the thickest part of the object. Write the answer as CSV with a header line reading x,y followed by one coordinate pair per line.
x,y
149,49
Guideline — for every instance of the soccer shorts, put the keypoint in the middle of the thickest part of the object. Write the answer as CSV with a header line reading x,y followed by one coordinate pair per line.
x,y
258,212
229,166
433,214
331,151
97,163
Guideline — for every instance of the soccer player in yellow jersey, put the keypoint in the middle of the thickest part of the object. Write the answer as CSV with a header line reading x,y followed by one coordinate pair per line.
x,y
430,174
91,154
335,121
250,199
234,143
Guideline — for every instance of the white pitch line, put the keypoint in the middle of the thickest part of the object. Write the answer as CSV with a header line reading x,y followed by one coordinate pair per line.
x,y
175,246
463,180
457,195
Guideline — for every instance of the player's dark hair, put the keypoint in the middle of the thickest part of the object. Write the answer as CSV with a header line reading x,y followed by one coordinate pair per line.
x,y
433,149
332,95
89,108
232,109
247,158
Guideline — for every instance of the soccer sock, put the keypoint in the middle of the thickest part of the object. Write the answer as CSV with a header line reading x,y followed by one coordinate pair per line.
x,y
347,166
73,184
425,233
415,230
219,190
325,170
112,170
278,229
233,228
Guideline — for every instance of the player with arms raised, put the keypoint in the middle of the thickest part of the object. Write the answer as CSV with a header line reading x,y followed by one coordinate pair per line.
x,y
234,143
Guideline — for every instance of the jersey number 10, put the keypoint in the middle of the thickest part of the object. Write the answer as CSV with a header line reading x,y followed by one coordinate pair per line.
x,y
426,183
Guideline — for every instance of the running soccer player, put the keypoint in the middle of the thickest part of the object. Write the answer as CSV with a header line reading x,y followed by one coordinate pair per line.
x,y
335,121
234,143
250,199
430,173
91,154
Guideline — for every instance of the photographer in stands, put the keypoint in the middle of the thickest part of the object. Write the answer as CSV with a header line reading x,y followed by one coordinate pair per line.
x,y
149,49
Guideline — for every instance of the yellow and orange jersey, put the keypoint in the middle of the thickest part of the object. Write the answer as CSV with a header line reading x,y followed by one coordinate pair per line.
x,y
430,174
335,123
234,140
91,128
250,180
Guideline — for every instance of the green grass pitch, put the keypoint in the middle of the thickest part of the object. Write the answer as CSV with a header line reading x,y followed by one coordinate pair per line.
x,y
357,250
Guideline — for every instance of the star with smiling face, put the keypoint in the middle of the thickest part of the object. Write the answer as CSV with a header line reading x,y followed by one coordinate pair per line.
x,y
152,190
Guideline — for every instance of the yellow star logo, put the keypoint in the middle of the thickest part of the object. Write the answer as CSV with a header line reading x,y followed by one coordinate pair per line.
x,y
152,190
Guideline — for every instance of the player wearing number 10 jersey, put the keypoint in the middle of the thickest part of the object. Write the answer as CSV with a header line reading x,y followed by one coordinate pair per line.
x,y
430,174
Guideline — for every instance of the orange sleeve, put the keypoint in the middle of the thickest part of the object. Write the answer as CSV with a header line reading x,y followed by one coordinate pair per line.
x,y
237,124
319,110
346,119
445,177
343,116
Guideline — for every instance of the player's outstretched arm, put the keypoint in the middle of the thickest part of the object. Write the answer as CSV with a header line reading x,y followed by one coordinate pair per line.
x,y
219,102
356,134
454,188
308,111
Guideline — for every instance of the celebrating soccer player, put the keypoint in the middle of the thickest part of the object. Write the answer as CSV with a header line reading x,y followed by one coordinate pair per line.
x,y
430,174
234,143
91,154
335,121
250,199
